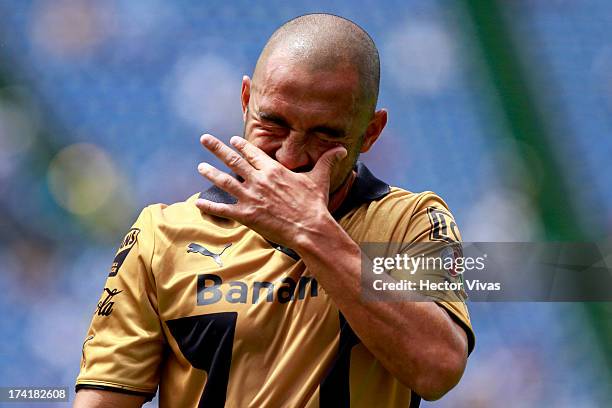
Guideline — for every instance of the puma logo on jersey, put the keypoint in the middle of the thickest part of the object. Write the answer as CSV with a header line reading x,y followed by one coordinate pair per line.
x,y
197,248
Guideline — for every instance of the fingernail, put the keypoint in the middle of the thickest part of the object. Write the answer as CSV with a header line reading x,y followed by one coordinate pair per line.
x,y
236,140
203,166
204,137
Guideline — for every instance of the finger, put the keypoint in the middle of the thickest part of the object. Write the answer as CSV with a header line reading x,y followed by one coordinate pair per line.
x,y
217,209
231,158
323,167
222,180
253,154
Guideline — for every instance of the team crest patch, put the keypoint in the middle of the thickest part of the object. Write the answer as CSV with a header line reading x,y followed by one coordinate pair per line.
x,y
449,256
443,226
124,249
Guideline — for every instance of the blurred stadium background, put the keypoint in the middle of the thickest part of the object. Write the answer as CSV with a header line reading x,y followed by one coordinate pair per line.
x,y
502,107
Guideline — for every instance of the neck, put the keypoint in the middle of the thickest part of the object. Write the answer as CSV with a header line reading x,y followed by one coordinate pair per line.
x,y
336,199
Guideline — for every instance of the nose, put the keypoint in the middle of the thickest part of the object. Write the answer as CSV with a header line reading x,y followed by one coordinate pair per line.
x,y
293,152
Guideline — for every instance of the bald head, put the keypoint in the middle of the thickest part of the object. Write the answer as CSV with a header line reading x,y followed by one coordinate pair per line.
x,y
324,42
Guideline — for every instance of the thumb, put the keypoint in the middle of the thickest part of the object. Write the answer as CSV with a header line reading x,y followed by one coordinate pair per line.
x,y
325,164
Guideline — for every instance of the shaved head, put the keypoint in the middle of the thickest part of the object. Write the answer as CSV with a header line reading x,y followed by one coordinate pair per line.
x,y
315,88
325,42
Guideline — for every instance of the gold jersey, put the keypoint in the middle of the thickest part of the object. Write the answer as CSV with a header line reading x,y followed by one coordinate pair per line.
x,y
215,315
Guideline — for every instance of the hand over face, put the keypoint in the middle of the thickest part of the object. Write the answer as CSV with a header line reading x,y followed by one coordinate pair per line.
x,y
277,203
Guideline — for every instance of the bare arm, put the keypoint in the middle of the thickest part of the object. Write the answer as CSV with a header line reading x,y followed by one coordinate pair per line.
x,y
106,399
417,342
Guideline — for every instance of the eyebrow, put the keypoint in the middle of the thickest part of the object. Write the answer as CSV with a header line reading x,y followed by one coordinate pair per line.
x,y
271,117
333,132
329,131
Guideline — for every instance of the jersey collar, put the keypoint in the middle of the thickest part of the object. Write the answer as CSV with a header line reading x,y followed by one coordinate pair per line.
x,y
365,188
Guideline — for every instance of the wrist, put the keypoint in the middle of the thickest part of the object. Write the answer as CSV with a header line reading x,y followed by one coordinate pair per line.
x,y
321,238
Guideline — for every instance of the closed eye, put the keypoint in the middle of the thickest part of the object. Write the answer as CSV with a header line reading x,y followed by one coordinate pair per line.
x,y
330,132
275,122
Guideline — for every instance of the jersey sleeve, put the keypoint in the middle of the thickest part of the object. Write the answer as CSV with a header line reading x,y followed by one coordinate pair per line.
x,y
432,230
123,348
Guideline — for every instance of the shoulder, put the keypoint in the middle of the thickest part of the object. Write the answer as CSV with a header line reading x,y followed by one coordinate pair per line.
x,y
162,223
180,212
403,203
167,223
403,215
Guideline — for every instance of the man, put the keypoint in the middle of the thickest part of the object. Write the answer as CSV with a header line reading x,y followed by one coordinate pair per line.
x,y
249,294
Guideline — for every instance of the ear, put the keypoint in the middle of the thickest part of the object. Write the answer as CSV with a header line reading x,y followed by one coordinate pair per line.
x,y
245,95
374,129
